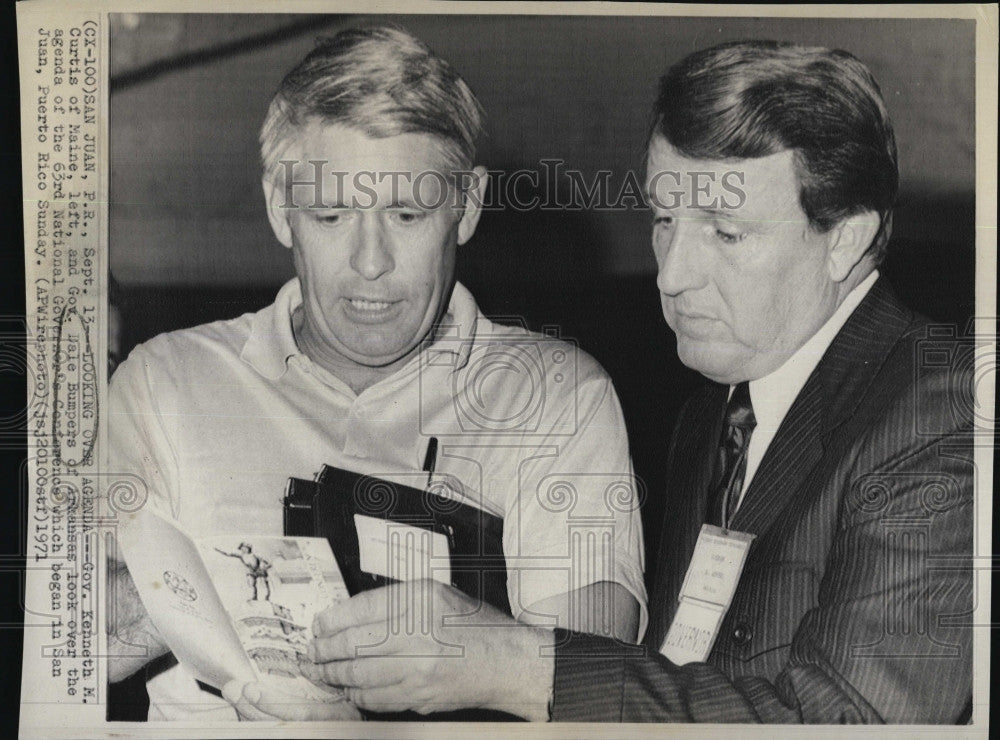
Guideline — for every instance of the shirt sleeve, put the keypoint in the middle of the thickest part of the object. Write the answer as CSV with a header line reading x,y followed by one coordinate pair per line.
x,y
576,518
141,459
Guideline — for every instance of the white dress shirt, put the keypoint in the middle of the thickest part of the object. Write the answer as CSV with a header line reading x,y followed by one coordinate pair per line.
x,y
772,396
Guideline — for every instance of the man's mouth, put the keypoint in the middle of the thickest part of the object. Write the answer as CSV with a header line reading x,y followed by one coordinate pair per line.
x,y
362,304
371,311
690,322
694,316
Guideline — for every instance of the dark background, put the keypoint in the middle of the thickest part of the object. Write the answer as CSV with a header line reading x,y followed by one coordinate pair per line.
x,y
190,240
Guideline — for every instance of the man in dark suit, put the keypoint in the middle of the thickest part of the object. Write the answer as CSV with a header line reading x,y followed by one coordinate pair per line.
x,y
824,452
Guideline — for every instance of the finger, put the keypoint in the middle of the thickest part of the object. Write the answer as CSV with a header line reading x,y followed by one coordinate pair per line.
x,y
249,712
313,672
232,691
367,607
345,644
382,699
292,707
341,711
377,606
244,697
363,673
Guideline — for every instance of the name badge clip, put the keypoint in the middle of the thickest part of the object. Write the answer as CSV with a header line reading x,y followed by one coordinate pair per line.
x,y
706,594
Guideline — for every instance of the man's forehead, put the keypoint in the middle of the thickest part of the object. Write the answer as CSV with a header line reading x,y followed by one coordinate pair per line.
x,y
754,183
334,166
350,149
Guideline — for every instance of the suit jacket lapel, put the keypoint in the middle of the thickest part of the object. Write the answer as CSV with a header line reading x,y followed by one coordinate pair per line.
x,y
829,398
793,452
692,458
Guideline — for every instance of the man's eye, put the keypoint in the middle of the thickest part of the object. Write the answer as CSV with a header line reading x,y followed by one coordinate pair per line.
x,y
330,218
729,237
663,221
408,217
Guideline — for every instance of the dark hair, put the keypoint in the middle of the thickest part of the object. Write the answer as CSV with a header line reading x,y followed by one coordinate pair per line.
x,y
751,99
380,80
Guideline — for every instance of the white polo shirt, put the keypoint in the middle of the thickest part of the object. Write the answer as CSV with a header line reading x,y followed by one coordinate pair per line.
x,y
215,419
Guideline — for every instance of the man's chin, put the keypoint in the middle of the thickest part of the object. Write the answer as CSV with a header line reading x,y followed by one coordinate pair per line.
x,y
714,365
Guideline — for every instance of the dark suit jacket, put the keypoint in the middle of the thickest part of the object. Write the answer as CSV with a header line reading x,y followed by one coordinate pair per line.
x,y
854,605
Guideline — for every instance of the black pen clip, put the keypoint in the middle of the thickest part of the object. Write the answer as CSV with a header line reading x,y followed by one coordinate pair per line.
x,y
430,459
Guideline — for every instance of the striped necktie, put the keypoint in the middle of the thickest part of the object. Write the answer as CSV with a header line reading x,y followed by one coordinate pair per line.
x,y
731,465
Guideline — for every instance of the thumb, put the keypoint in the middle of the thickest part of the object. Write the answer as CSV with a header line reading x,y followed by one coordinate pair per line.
x,y
233,691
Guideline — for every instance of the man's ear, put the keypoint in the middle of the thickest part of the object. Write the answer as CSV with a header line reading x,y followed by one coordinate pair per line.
x,y
274,198
472,205
849,241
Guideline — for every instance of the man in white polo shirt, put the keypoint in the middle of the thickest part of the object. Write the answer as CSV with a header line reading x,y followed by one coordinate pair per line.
x,y
372,350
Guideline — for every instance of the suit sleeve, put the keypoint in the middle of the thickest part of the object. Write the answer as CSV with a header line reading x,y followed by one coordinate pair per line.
x,y
885,641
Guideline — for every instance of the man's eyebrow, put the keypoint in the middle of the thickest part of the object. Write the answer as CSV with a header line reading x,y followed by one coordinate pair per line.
x,y
704,213
403,203
700,212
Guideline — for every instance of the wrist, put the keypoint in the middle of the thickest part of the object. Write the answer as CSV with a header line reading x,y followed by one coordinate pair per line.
x,y
530,678
132,638
131,649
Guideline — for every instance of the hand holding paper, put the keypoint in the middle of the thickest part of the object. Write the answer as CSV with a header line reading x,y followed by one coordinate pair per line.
x,y
258,701
448,651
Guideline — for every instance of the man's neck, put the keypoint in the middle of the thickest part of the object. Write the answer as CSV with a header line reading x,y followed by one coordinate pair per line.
x,y
358,377
773,395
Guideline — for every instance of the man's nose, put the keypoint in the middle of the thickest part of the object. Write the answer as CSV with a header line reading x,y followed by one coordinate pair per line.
x,y
372,255
678,254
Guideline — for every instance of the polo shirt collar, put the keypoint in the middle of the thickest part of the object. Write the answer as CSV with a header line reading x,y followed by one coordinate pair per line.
x,y
457,329
271,342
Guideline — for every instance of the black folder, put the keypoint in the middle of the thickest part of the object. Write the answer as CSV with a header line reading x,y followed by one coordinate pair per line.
x,y
326,507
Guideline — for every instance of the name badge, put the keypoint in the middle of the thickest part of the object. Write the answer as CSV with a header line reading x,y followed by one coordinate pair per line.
x,y
402,552
708,590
